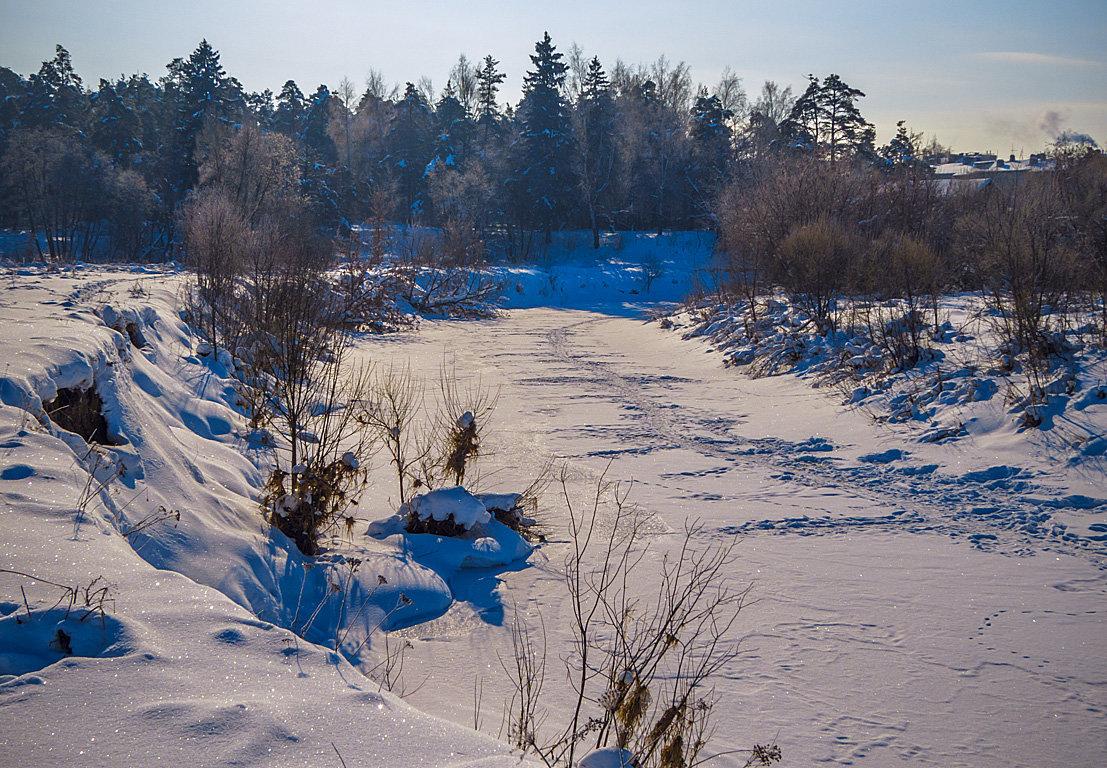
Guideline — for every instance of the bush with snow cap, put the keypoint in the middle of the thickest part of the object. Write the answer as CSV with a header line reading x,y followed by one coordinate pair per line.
x,y
445,512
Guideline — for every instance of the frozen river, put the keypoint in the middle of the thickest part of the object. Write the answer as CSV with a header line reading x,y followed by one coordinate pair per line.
x,y
910,605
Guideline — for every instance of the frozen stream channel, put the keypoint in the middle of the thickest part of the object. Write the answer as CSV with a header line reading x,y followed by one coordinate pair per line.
x,y
914,609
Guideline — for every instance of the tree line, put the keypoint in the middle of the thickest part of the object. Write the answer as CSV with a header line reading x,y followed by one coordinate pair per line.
x,y
107,170
796,189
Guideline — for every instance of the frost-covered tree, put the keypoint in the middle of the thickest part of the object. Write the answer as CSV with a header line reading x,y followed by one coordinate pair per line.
x,y
463,77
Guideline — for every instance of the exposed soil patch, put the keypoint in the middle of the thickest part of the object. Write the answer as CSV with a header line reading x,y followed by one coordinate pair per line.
x,y
80,412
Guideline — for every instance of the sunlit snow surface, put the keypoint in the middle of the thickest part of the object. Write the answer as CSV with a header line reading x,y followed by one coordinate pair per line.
x,y
912,603
184,665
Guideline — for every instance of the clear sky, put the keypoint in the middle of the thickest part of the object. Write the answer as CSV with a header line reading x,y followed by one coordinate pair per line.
x,y
988,75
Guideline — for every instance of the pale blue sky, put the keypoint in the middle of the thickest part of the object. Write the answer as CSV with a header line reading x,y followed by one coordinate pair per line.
x,y
978,75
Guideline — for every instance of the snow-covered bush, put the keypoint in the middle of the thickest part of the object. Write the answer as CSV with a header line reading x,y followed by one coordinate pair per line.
x,y
444,512
450,529
510,509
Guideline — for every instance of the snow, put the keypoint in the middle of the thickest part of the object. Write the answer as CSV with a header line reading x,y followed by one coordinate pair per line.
x,y
457,503
914,601
610,757
190,659
924,610
486,543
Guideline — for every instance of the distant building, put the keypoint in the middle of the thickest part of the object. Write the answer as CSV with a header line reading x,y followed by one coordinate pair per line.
x,y
975,170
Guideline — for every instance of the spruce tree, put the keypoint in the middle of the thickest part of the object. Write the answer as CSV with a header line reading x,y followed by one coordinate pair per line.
x,y
410,143
711,135
903,150
488,84
543,169
595,145
203,93
453,130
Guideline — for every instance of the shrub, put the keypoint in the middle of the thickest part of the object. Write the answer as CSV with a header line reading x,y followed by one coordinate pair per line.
x,y
1026,247
646,662
814,262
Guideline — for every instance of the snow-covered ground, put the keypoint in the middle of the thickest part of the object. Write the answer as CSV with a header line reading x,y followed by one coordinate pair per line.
x,y
913,603
906,611
129,637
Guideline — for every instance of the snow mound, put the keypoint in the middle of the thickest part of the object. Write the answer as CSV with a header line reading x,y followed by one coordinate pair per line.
x,y
477,539
456,504
30,642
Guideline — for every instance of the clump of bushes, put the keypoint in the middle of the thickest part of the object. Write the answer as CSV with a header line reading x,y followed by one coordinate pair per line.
x,y
867,250
312,498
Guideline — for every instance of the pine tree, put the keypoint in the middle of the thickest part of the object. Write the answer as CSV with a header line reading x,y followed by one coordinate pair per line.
x,y
313,125
657,151
847,133
801,128
262,106
289,110
55,95
543,169
825,119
